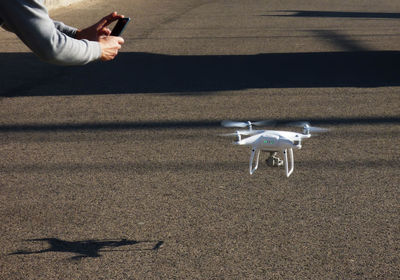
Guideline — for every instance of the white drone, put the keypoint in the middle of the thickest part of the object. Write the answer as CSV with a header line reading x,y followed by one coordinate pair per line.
x,y
272,141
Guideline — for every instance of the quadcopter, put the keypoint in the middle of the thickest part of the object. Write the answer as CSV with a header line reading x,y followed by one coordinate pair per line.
x,y
272,141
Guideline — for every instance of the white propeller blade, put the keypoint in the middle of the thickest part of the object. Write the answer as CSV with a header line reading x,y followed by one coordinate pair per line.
x,y
228,123
308,127
264,123
315,129
242,132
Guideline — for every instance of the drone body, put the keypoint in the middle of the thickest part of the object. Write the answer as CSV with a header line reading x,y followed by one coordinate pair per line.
x,y
272,141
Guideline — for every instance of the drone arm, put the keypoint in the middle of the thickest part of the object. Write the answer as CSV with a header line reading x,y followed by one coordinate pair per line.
x,y
253,152
289,172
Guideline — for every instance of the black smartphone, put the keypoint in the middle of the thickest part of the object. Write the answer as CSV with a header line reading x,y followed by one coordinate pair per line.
x,y
120,26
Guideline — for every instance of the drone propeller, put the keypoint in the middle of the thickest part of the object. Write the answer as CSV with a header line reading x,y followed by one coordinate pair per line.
x,y
307,128
264,123
242,132
228,123
228,134
314,129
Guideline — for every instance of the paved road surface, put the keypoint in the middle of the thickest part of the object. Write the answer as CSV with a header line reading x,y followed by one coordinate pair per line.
x,y
114,170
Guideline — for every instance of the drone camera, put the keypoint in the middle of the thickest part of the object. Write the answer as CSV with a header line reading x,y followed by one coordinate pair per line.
x,y
273,160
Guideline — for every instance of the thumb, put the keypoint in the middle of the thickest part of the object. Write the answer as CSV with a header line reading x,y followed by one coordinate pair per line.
x,y
121,40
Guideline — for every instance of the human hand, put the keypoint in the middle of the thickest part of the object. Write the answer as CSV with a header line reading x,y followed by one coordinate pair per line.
x,y
99,29
110,46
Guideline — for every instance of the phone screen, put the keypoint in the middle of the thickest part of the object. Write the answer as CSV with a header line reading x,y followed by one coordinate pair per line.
x,y
120,26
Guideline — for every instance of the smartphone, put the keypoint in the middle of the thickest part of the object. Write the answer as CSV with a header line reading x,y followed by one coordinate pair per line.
x,y
120,26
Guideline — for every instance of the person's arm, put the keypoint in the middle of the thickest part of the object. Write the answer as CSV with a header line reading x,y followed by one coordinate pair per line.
x,y
70,31
30,21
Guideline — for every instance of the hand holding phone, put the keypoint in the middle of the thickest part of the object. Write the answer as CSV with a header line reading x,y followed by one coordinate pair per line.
x,y
120,26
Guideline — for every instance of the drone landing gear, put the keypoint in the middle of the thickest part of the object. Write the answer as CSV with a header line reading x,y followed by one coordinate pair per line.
x,y
285,152
253,152
273,160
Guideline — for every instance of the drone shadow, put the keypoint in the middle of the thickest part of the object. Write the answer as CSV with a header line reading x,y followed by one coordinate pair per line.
x,y
86,248
338,14
199,124
130,73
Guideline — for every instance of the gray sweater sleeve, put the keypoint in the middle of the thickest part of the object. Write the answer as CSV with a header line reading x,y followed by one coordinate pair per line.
x,y
51,41
70,31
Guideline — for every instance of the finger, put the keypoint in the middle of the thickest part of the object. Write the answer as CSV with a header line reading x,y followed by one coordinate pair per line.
x,y
115,54
104,31
121,40
111,18
104,20
108,19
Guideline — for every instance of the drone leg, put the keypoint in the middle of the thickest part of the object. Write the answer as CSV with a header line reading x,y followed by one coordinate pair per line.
x,y
289,172
253,151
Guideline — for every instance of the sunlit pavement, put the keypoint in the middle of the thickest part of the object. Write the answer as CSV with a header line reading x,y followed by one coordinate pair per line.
x,y
116,171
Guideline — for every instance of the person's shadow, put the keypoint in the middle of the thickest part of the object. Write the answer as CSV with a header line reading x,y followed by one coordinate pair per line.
x,y
87,248
137,73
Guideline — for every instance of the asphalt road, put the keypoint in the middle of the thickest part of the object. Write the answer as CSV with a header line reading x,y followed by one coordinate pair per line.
x,y
115,171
